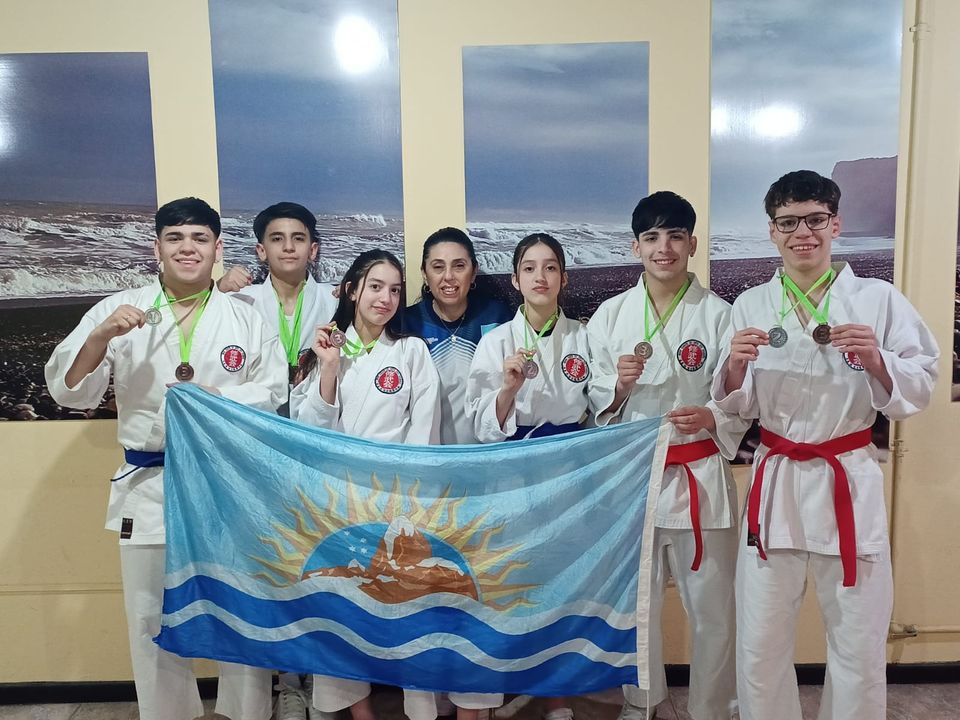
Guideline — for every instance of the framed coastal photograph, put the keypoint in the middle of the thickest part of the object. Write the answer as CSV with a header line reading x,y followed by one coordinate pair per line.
x,y
77,198
307,98
556,140
838,115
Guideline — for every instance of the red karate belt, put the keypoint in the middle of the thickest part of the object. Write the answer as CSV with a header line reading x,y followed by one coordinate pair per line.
x,y
683,455
842,501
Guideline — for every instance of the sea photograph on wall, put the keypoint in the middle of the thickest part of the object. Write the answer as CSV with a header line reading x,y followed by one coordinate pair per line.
x,y
77,198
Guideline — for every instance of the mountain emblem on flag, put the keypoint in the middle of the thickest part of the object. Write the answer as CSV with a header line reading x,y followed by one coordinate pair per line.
x,y
394,547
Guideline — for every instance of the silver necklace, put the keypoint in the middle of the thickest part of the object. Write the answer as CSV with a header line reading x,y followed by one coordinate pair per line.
x,y
453,333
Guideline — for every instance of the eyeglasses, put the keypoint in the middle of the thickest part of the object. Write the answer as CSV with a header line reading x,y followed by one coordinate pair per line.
x,y
813,221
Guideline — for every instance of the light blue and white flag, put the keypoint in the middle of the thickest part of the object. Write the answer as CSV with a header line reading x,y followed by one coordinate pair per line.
x,y
513,568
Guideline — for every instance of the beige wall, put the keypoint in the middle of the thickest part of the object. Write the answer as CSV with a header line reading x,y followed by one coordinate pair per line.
x,y
61,614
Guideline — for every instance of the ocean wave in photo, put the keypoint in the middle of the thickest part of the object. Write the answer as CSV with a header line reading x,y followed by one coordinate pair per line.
x,y
60,250
584,244
732,245
342,238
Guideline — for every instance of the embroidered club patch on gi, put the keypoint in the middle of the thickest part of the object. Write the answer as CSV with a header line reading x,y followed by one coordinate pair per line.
x,y
692,354
388,381
233,358
853,361
575,368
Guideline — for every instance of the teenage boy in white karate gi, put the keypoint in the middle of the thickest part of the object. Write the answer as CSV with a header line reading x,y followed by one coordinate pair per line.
x,y
654,349
817,353
289,300
179,328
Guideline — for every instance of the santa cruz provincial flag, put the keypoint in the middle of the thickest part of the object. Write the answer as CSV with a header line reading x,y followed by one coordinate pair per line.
x,y
514,567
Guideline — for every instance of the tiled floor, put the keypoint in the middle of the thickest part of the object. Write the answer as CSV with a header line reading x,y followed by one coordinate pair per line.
x,y
904,702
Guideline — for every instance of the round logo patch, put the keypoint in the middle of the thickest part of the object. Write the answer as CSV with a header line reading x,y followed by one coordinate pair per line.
x,y
575,368
853,361
233,358
388,381
692,354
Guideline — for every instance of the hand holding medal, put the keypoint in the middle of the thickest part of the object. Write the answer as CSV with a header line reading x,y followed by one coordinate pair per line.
x,y
530,368
515,372
121,321
324,347
629,369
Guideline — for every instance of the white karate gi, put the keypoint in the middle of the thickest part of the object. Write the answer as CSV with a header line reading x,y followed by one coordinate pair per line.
x,y
233,352
318,308
557,395
390,394
813,393
698,330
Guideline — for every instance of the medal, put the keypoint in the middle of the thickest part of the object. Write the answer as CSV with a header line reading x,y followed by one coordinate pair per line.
x,y
530,369
153,316
821,334
292,373
778,337
338,338
643,350
184,372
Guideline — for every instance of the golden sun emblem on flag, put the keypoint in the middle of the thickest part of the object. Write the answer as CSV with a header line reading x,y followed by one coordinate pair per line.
x,y
394,547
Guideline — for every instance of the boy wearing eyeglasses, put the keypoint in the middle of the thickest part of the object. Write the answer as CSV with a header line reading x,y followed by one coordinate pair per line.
x,y
817,352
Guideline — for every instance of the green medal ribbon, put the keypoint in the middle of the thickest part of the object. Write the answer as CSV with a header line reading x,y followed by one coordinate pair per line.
x,y
290,337
551,321
803,298
185,342
649,334
355,348
158,306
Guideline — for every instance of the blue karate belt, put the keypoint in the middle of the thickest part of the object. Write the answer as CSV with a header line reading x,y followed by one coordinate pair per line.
x,y
140,459
528,432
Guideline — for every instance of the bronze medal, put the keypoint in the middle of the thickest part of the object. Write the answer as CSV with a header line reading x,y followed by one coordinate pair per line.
x,y
530,369
778,337
184,372
338,338
153,316
821,334
643,350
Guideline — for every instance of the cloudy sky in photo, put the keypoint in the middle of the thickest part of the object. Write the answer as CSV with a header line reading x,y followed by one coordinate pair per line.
x,y
76,127
555,132
797,85
293,121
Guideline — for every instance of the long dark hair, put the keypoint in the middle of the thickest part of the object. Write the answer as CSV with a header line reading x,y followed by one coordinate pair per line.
x,y
540,239
355,279
447,234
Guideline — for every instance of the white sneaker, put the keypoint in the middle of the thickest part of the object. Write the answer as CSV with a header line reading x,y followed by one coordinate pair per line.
x,y
291,703
629,711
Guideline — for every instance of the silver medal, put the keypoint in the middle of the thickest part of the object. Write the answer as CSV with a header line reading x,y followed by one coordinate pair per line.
x,y
778,337
153,316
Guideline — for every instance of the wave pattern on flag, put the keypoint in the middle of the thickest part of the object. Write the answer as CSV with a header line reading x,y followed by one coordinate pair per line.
x,y
514,567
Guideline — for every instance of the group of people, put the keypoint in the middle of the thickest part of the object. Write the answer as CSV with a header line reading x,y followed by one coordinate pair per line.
x,y
813,354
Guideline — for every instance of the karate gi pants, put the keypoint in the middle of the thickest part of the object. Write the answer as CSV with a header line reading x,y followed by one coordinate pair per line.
x,y
769,594
708,599
166,686
331,694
